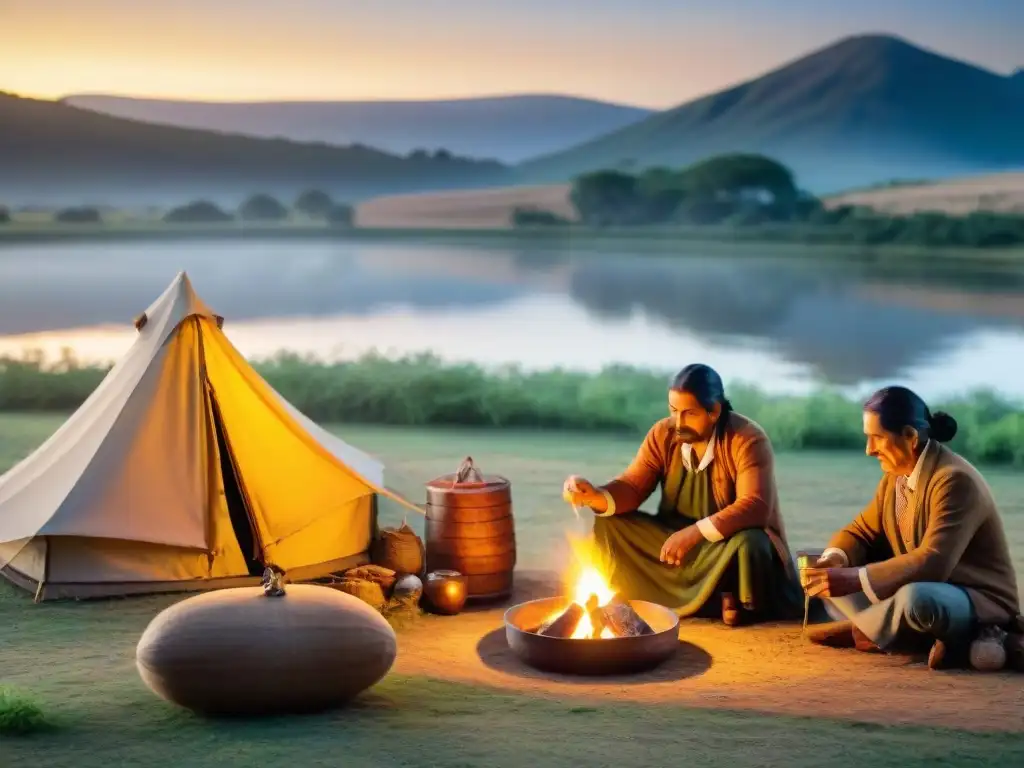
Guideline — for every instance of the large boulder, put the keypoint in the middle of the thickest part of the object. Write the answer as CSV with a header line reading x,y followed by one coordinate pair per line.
x,y
240,652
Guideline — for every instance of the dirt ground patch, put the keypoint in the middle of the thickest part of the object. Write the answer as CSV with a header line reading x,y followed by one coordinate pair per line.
x,y
768,669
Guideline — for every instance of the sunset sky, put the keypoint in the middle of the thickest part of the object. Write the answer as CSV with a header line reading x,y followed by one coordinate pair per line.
x,y
649,52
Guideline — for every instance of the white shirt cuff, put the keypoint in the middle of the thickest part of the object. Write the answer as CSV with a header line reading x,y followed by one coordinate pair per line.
x,y
837,551
865,584
708,530
610,502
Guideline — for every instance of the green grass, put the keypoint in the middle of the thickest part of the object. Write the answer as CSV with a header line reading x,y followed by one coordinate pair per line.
x,y
77,659
423,391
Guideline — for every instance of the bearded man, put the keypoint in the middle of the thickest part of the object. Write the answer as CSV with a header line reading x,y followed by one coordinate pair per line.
x,y
717,544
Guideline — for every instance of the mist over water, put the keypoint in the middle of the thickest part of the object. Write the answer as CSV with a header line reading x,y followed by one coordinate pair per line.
x,y
784,325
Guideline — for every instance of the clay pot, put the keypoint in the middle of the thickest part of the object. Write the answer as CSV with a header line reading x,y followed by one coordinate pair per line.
x,y
445,592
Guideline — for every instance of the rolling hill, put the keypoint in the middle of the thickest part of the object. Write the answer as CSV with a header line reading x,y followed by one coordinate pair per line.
x,y
506,128
53,153
865,109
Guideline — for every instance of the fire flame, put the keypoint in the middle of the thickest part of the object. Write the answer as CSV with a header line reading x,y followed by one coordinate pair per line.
x,y
591,582
588,581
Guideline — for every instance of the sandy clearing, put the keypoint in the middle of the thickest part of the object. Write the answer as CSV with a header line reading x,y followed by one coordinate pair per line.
x,y
769,669
464,209
992,192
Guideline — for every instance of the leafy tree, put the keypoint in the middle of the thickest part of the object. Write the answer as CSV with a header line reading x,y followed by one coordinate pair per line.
x,y
607,198
263,208
341,215
79,215
663,191
743,177
197,212
5,215
315,203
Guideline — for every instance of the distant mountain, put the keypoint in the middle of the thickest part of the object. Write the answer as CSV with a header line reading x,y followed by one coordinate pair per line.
x,y
56,153
508,128
865,109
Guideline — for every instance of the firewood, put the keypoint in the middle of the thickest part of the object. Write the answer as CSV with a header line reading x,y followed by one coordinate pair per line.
x,y
565,624
623,620
378,574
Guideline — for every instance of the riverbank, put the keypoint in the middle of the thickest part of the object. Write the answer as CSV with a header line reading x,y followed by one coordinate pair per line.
x,y
665,240
423,391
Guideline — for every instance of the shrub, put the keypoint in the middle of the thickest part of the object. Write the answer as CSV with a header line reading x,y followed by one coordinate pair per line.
x,y
80,215
420,390
20,715
197,212
525,216
262,208
341,215
314,203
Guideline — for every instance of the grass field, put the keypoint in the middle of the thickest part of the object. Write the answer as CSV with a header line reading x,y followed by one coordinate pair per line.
x,y
77,660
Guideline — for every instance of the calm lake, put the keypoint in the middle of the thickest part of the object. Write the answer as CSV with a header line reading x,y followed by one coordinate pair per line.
x,y
786,325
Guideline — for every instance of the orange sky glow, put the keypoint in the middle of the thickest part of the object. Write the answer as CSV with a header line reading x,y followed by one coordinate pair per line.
x,y
648,52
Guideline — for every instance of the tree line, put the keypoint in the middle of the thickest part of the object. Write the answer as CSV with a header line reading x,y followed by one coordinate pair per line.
x,y
313,204
758,194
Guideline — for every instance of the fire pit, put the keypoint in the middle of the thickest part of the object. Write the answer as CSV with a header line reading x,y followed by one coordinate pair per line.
x,y
594,632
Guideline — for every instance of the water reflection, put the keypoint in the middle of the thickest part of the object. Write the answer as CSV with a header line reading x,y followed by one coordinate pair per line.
x,y
788,324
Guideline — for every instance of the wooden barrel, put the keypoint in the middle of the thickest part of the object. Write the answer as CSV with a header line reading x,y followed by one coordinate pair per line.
x,y
470,529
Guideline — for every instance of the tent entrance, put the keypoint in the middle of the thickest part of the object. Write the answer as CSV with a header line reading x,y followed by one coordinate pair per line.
x,y
234,497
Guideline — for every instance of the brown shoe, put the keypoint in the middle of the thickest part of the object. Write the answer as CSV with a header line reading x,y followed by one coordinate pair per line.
x,y
946,656
864,643
730,610
834,634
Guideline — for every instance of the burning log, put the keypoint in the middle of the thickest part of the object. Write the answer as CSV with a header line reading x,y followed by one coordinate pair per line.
x,y
565,624
621,618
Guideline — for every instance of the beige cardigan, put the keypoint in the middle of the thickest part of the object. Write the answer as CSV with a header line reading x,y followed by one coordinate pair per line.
x,y
959,538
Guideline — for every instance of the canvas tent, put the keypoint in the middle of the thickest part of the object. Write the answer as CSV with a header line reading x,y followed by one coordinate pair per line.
x,y
184,470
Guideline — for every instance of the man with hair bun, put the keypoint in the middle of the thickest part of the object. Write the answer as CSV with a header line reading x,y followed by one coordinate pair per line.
x,y
716,545
925,563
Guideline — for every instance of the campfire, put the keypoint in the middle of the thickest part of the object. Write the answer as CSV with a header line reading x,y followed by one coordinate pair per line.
x,y
597,612
591,629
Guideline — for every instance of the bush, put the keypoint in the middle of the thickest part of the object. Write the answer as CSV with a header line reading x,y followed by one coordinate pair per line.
x,y
197,212
80,215
341,215
420,390
263,208
20,715
5,215
525,216
314,203
754,196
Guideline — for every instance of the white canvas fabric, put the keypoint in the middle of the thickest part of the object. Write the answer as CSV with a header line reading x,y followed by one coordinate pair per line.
x,y
128,494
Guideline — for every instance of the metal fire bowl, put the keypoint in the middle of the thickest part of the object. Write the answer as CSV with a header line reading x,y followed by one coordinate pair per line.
x,y
611,656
